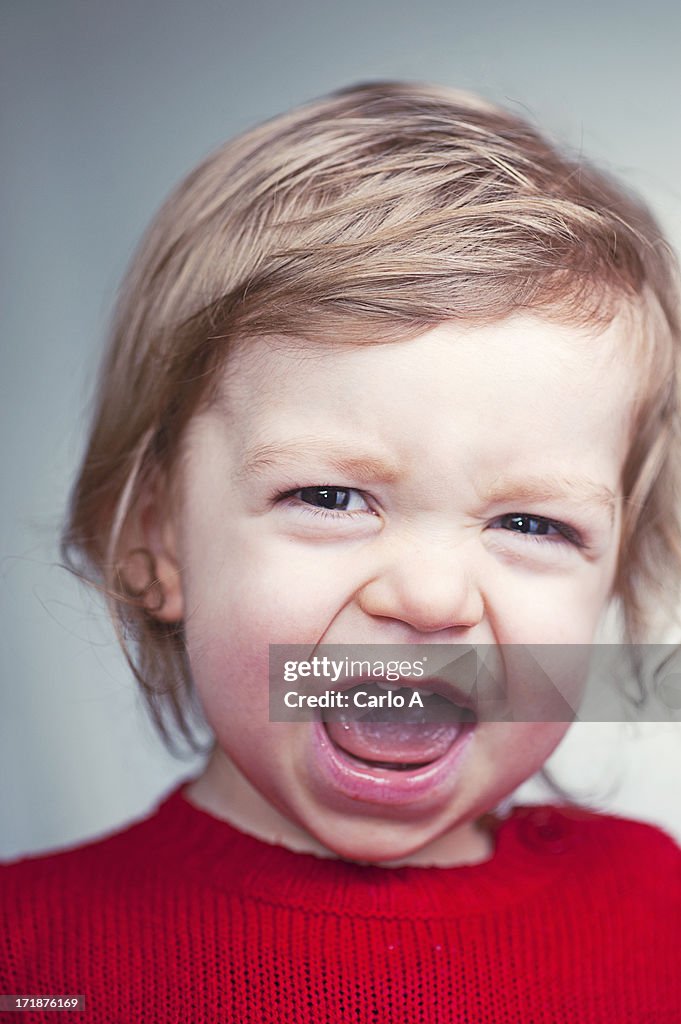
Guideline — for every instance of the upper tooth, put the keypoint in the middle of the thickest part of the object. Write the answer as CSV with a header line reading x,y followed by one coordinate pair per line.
x,y
388,686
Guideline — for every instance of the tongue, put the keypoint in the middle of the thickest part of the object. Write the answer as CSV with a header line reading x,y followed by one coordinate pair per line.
x,y
400,742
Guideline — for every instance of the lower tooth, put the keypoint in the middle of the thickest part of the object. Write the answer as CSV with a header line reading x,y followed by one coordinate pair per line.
x,y
394,766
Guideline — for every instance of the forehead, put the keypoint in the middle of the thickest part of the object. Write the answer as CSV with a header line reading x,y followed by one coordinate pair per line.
x,y
525,404
512,362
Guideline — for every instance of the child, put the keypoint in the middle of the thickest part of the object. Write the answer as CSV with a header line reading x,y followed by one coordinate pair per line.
x,y
388,369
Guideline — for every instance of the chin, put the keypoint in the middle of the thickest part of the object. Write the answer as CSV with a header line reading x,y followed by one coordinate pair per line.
x,y
378,843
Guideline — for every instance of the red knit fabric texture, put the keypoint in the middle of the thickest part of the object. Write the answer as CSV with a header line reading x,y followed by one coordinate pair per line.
x,y
576,919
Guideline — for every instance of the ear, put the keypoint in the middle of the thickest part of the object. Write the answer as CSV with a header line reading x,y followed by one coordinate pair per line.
x,y
150,564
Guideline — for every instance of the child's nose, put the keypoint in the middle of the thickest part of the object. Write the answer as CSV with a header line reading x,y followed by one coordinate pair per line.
x,y
429,589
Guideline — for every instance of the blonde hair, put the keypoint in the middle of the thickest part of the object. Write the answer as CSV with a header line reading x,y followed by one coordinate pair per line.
x,y
370,215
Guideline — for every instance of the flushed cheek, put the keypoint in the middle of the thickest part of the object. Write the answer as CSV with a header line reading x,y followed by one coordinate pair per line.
x,y
225,673
228,638
232,682
510,752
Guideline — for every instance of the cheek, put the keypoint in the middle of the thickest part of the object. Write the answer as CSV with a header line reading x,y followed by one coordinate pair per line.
x,y
514,751
227,675
561,609
256,589
239,602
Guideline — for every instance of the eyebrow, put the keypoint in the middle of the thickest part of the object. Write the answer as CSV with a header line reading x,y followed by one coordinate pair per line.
x,y
542,488
367,467
339,457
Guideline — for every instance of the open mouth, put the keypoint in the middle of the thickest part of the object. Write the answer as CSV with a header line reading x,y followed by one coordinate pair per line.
x,y
394,728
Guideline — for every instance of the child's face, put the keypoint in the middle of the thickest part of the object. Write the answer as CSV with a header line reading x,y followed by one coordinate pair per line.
x,y
438,445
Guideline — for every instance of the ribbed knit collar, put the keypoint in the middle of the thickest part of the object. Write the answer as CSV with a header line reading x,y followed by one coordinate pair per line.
x,y
534,847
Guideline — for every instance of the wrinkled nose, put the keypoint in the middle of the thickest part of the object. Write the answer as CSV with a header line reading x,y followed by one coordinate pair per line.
x,y
430,588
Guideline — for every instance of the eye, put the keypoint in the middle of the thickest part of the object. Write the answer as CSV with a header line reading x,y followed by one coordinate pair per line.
x,y
330,498
537,527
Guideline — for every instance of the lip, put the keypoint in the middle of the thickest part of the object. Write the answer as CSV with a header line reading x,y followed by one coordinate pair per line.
x,y
335,773
426,684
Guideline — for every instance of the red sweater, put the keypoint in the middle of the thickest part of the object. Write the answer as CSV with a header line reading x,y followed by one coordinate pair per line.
x,y
575,919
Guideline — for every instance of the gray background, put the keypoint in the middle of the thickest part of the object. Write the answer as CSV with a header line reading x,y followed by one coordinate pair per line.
x,y
105,107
